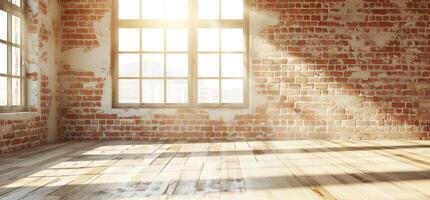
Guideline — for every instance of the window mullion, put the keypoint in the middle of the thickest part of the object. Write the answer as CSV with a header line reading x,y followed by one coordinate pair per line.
x,y
9,59
193,78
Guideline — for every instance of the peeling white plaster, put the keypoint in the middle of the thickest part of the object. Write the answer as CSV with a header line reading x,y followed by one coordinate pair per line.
x,y
96,58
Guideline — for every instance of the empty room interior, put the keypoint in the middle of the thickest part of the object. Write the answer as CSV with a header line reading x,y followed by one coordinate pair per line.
x,y
215,99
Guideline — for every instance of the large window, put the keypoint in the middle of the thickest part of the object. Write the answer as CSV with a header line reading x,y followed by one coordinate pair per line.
x,y
179,53
12,77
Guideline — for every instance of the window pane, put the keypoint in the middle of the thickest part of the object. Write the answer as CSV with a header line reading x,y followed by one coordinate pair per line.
x,y
208,91
152,39
232,91
3,59
17,2
177,40
129,9
177,65
231,9
208,9
16,92
177,91
232,39
16,30
129,39
153,65
129,65
152,91
3,91
3,25
208,65
232,65
16,61
177,9
153,9
208,39
128,91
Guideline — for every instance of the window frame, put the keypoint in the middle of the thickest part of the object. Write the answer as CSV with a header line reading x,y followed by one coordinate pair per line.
x,y
17,11
192,24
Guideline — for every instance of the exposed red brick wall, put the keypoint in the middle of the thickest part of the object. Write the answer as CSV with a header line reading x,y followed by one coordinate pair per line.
x,y
328,69
78,17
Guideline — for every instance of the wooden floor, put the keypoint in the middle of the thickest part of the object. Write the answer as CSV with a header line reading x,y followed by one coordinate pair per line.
x,y
219,170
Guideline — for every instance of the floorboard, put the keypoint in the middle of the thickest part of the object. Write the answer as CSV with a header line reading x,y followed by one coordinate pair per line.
x,y
304,169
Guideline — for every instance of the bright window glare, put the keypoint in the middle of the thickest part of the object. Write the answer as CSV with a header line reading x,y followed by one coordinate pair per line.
x,y
232,65
152,9
208,9
177,65
127,91
232,91
152,39
232,9
208,90
129,65
177,40
153,65
208,39
16,92
3,25
129,9
16,30
176,9
208,65
3,58
232,39
3,91
177,91
129,39
152,91
16,61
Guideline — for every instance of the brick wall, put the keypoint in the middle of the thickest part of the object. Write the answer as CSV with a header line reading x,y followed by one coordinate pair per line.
x,y
30,129
325,69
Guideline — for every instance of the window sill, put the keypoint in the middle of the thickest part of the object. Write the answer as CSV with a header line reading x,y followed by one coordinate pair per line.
x,y
178,106
17,115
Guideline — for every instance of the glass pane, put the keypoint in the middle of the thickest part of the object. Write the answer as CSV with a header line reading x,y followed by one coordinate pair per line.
x,y
17,2
129,39
153,91
128,65
3,25
231,9
208,9
232,39
232,65
153,9
3,91
3,59
177,91
16,61
153,65
177,65
177,40
232,91
208,65
152,39
208,39
128,91
208,91
16,30
177,9
16,92
129,9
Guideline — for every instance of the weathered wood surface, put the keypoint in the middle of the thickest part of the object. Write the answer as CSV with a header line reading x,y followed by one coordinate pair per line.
x,y
383,169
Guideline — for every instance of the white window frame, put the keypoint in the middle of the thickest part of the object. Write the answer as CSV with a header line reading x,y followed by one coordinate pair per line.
x,y
192,24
